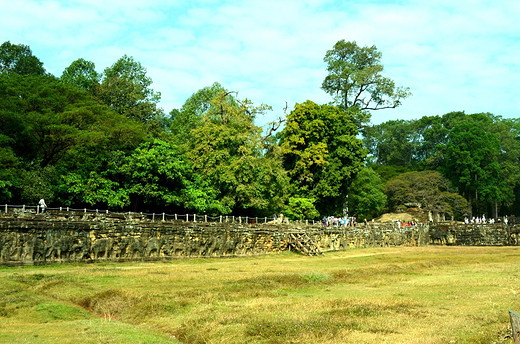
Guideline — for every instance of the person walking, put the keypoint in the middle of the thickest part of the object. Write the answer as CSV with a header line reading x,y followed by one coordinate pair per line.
x,y
42,205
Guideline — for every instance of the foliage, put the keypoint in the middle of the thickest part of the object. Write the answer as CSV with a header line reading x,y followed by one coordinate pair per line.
x,y
478,158
125,87
426,189
227,152
321,154
81,74
366,197
354,78
301,208
189,116
393,143
18,59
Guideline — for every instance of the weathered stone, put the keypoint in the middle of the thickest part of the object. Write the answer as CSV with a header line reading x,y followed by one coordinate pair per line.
x,y
85,237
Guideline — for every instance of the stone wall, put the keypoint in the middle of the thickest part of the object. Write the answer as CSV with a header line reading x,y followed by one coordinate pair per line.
x,y
87,237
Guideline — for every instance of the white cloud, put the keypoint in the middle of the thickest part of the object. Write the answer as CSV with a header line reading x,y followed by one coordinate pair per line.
x,y
453,55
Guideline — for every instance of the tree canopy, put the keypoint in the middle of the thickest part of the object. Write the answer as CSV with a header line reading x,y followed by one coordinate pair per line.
x,y
100,139
321,153
354,78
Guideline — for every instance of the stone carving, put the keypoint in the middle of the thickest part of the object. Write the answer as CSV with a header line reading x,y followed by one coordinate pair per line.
x,y
70,237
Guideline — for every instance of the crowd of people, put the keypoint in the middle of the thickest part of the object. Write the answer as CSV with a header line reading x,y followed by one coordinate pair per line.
x,y
344,221
483,220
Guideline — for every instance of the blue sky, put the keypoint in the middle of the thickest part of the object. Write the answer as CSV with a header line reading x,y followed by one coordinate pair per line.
x,y
459,55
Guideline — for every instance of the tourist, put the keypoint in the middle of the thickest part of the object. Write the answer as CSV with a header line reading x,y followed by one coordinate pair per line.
x,y
42,205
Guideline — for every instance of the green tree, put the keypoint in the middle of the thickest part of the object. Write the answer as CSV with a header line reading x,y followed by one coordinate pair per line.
x,y
301,208
18,59
481,158
322,154
366,197
50,130
81,74
189,116
470,159
393,143
125,87
158,176
354,78
427,189
229,153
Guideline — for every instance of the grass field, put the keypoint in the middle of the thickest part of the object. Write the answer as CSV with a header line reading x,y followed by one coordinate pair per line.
x,y
384,295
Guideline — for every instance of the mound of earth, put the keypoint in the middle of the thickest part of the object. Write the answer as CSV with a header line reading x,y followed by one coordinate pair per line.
x,y
413,214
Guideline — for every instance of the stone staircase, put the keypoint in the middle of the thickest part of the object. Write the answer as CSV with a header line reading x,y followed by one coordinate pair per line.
x,y
303,244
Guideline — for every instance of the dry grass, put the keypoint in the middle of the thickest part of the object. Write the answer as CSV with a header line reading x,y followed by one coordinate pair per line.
x,y
392,295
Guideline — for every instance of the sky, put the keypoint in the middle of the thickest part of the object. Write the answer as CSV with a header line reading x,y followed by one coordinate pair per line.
x,y
461,55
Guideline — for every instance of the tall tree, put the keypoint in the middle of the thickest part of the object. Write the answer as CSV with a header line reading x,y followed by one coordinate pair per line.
x,y
228,152
322,153
428,190
189,116
366,197
393,142
355,79
471,158
18,59
126,89
81,74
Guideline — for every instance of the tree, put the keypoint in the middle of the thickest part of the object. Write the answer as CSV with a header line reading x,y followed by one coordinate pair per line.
x,y
126,89
393,143
81,74
354,78
227,151
301,208
152,177
481,158
366,197
189,116
427,189
49,129
18,59
470,159
322,154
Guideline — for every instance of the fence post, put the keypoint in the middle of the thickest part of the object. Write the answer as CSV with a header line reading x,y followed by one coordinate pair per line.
x,y
265,219
240,219
37,209
187,218
175,217
23,209
205,218
106,211
61,209
163,217
6,208
256,219
67,209
220,219
85,210
194,217
153,217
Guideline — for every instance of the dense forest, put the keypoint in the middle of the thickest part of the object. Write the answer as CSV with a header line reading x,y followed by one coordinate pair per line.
x,y
100,140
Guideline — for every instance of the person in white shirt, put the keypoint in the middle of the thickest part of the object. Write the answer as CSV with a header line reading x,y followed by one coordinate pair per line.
x,y
42,205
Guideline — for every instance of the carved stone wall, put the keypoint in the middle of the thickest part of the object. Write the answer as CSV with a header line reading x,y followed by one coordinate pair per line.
x,y
86,237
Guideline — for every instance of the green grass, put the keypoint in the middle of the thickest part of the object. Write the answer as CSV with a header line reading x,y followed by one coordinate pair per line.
x,y
387,295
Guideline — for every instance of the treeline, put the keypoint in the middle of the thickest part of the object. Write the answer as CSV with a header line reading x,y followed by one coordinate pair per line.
x,y
89,139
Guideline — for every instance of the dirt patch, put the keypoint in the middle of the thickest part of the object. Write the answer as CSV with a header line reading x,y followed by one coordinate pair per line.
x,y
412,214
